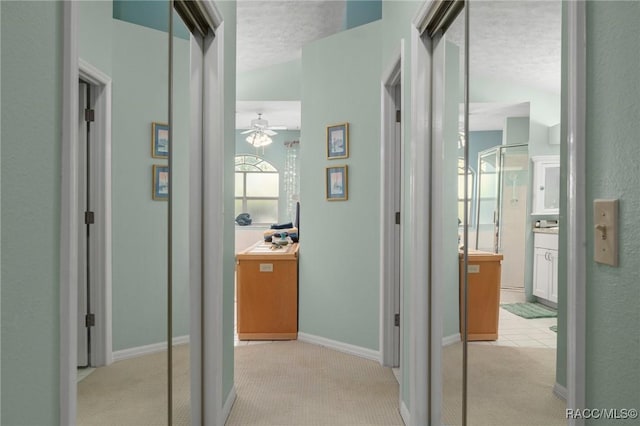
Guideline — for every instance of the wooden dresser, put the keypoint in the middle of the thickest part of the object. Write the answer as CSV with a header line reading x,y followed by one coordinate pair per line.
x,y
267,292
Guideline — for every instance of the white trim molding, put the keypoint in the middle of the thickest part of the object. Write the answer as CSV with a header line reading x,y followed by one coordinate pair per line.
x,y
228,404
148,349
576,195
560,391
404,413
69,217
390,180
450,340
419,219
340,346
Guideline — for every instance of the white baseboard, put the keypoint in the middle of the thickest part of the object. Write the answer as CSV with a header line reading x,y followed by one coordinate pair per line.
x,y
147,349
340,346
560,391
228,404
450,340
404,413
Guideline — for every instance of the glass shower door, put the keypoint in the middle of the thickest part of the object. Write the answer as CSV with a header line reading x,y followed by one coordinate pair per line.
x,y
512,213
487,202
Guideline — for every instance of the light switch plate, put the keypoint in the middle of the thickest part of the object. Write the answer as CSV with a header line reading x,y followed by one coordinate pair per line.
x,y
605,219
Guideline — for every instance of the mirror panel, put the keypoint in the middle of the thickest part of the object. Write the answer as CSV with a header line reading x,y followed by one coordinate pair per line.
x,y
450,58
181,294
134,56
515,104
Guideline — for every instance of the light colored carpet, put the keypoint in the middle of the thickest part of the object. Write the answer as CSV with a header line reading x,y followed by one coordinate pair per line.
x,y
133,392
295,383
508,386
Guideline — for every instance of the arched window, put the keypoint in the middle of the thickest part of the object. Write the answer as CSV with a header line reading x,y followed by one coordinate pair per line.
x,y
257,189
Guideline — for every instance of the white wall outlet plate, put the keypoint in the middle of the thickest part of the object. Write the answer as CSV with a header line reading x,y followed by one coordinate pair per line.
x,y
605,219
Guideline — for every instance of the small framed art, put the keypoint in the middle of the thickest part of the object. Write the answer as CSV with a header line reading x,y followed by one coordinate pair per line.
x,y
338,141
160,182
337,183
159,140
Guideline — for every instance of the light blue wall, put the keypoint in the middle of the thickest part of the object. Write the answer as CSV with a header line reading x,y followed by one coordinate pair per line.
x,y
613,155
31,79
339,276
276,154
95,23
139,223
280,82
516,130
360,12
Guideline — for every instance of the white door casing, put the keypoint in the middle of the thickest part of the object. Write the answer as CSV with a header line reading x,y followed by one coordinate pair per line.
x,y
391,182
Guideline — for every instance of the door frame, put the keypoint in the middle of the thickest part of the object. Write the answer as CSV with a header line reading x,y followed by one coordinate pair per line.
x,y
423,389
100,250
206,197
391,272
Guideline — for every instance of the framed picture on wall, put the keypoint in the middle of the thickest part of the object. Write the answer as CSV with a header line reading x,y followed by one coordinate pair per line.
x,y
160,182
159,140
337,183
338,141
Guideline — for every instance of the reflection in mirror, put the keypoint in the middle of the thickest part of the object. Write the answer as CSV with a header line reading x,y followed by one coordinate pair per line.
x,y
515,78
181,311
128,301
450,56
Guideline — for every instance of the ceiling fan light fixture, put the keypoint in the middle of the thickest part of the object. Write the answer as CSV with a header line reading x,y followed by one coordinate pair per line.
x,y
259,139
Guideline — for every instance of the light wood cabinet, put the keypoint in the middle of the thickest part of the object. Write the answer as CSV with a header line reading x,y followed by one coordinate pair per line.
x,y
267,292
545,266
483,295
546,184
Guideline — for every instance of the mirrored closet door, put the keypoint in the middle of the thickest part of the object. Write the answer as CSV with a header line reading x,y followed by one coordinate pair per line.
x,y
140,332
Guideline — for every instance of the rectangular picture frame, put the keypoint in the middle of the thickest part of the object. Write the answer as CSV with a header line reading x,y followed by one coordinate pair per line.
x,y
159,140
338,141
337,183
160,190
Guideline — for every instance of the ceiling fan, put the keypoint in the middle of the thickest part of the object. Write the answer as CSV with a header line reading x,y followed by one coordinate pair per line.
x,y
260,125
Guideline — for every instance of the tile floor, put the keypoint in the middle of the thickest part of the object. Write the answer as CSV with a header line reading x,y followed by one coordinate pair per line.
x,y
517,331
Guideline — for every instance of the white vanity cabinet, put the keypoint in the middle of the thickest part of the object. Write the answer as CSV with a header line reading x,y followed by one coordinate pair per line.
x,y
546,184
545,266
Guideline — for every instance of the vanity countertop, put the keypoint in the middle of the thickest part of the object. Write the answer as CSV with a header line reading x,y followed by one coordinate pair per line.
x,y
546,230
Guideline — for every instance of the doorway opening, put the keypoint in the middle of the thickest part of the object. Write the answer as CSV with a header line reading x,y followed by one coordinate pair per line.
x,y
391,202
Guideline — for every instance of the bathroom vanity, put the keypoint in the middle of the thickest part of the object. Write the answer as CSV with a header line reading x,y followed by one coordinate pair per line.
x,y
545,264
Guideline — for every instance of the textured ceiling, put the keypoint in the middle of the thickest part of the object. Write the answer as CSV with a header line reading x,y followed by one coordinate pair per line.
x,y
271,32
517,41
